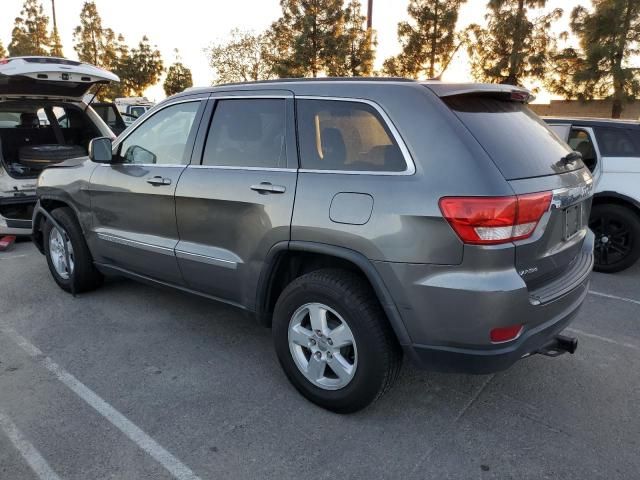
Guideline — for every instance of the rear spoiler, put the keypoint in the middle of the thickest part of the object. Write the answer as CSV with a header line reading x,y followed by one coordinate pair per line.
x,y
502,92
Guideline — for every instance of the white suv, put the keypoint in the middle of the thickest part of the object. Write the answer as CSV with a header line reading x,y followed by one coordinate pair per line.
x,y
611,150
43,120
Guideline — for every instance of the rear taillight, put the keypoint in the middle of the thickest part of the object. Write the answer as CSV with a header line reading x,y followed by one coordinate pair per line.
x,y
492,220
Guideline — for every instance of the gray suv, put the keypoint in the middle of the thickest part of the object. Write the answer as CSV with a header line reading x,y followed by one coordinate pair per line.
x,y
360,219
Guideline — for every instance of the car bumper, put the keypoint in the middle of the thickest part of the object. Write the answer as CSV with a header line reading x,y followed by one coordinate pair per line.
x,y
15,226
449,311
485,360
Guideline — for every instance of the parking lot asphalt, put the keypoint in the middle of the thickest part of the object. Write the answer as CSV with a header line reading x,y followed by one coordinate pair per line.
x,y
136,382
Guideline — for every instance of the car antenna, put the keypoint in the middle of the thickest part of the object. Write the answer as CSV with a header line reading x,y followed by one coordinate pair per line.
x,y
94,96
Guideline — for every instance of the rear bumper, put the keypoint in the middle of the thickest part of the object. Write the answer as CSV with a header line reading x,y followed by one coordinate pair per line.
x,y
10,225
484,361
450,310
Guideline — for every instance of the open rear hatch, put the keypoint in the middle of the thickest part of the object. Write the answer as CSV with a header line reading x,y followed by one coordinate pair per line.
x,y
49,77
540,168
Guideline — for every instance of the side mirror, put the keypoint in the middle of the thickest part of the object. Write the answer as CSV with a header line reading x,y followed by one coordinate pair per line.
x,y
100,150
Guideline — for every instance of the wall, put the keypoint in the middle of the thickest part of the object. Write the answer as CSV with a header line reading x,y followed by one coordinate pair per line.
x,y
593,108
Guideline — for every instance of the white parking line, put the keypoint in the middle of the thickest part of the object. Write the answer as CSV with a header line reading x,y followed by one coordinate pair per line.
x,y
12,257
174,466
37,463
604,339
614,297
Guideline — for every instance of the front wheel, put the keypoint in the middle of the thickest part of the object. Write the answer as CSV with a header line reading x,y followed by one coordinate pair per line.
x,y
333,340
617,231
79,268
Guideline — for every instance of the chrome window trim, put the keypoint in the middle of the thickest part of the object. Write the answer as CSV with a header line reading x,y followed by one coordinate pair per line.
x,y
167,165
252,97
408,159
230,167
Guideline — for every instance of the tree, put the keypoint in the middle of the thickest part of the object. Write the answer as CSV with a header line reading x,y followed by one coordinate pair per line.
x,y
30,35
178,78
141,68
358,43
93,43
513,46
242,58
306,39
609,37
56,44
3,52
428,40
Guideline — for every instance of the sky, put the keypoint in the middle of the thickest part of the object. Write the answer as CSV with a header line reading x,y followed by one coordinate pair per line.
x,y
192,25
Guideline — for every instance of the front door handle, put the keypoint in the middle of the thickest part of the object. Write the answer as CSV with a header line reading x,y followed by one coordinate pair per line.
x,y
159,181
266,187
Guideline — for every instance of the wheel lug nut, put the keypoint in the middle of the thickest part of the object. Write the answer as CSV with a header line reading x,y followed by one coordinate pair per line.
x,y
330,342
312,342
318,355
329,355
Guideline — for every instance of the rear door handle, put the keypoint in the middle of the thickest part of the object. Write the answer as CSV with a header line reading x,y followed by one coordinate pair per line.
x,y
266,187
159,181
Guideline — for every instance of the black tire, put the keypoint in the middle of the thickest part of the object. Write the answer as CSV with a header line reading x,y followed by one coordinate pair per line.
x,y
378,352
617,230
41,156
85,276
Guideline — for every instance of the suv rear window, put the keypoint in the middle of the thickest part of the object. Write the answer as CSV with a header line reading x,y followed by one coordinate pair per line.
x,y
618,142
519,142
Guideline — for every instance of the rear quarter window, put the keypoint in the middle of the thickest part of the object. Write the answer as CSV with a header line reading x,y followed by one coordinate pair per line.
x,y
342,135
517,140
618,142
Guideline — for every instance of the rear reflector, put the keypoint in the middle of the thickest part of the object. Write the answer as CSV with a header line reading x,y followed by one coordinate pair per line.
x,y
505,334
493,220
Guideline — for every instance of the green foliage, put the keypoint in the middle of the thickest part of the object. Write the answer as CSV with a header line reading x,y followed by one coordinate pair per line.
x,y
137,68
30,34
428,39
307,39
178,78
358,43
140,69
242,58
513,46
92,42
609,37
3,52
56,45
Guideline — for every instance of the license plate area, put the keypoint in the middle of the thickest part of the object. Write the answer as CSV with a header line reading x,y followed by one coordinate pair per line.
x,y
572,221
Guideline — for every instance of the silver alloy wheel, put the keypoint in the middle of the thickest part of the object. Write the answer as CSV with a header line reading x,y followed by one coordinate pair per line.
x,y
323,346
57,255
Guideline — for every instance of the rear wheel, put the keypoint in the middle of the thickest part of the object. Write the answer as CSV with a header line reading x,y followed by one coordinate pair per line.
x,y
79,268
617,230
333,340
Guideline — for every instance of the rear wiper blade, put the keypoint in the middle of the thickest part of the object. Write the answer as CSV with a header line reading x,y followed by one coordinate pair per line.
x,y
571,157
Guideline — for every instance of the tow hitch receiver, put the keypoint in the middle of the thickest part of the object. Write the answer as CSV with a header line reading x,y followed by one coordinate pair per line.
x,y
559,345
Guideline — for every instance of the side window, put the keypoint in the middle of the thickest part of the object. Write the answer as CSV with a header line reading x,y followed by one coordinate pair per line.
x,y
580,141
618,142
247,133
341,135
59,112
137,111
162,138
